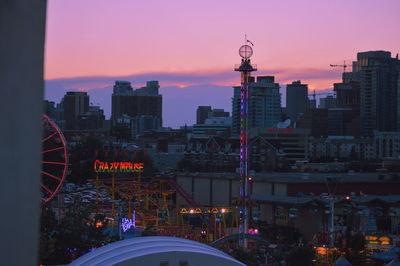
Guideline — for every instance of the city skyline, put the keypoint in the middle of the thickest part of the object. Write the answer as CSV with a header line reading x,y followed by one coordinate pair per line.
x,y
94,93
86,52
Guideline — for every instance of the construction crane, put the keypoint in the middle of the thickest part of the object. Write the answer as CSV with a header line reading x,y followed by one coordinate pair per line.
x,y
321,93
344,66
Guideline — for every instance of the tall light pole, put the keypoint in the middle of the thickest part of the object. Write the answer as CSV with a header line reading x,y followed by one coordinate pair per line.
x,y
245,68
332,190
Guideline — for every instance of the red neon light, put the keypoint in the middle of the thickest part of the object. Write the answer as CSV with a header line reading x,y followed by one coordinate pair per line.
x,y
48,137
46,188
271,130
45,173
59,148
286,130
52,162
129,167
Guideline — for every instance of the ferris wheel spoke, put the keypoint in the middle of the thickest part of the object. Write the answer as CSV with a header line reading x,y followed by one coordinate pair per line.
x,y
47,189
49,136
53,143
45,173
59,148
53,162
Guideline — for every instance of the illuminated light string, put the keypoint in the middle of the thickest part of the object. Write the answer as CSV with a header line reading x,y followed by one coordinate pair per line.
x,y
127,224
100,166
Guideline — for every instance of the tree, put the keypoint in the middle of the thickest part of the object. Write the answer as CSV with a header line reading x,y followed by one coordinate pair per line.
x,y
81,159
72,236
48,241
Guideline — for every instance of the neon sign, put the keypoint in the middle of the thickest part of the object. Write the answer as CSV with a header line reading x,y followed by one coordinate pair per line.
x,y
128,167
252,231
127,224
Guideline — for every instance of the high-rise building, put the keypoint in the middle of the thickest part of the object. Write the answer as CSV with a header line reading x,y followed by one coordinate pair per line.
x,y
93,119
145,101
205,112
296,100
379,91
218,113
74,104
312,103
140,125
316,120
347,94
264,104
49,109
344,120
327,102
202,114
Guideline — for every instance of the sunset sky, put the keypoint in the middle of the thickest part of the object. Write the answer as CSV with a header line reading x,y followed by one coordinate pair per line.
x,y
188,43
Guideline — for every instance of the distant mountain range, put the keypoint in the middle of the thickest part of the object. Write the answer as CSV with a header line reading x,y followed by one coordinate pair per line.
x,y
179,103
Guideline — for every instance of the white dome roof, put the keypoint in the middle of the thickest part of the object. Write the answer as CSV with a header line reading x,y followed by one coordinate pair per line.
x,y
129,249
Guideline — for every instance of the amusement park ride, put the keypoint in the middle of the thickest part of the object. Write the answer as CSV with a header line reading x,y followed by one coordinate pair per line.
x,y
54,159
143,202
245,68
151,199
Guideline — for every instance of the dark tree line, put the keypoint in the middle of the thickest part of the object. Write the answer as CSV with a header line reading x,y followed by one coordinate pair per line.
x,y
63,240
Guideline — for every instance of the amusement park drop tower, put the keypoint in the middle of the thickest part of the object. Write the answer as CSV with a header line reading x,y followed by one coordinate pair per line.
x,y
245,68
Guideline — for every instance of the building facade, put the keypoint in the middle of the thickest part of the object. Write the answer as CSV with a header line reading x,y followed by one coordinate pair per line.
x,y
202,114
264,104
387,144
297,102
143,105
74,104
292,143
379,90
327,102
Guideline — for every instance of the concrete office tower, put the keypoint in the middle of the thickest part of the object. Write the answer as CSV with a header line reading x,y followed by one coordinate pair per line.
x,y
379,91
122,88
264,104
218,113
145,101
296,99
202,114
327,102
347,108
205,112
347,95
312,104
74,104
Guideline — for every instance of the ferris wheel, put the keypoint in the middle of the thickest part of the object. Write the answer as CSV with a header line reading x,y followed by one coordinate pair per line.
x,y
54,159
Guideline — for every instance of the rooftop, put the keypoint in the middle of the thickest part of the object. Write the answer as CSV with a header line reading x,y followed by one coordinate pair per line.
x,y
298,177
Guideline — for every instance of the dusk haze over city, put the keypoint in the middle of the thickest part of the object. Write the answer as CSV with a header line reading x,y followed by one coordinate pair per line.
x,y
192,133
89,44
